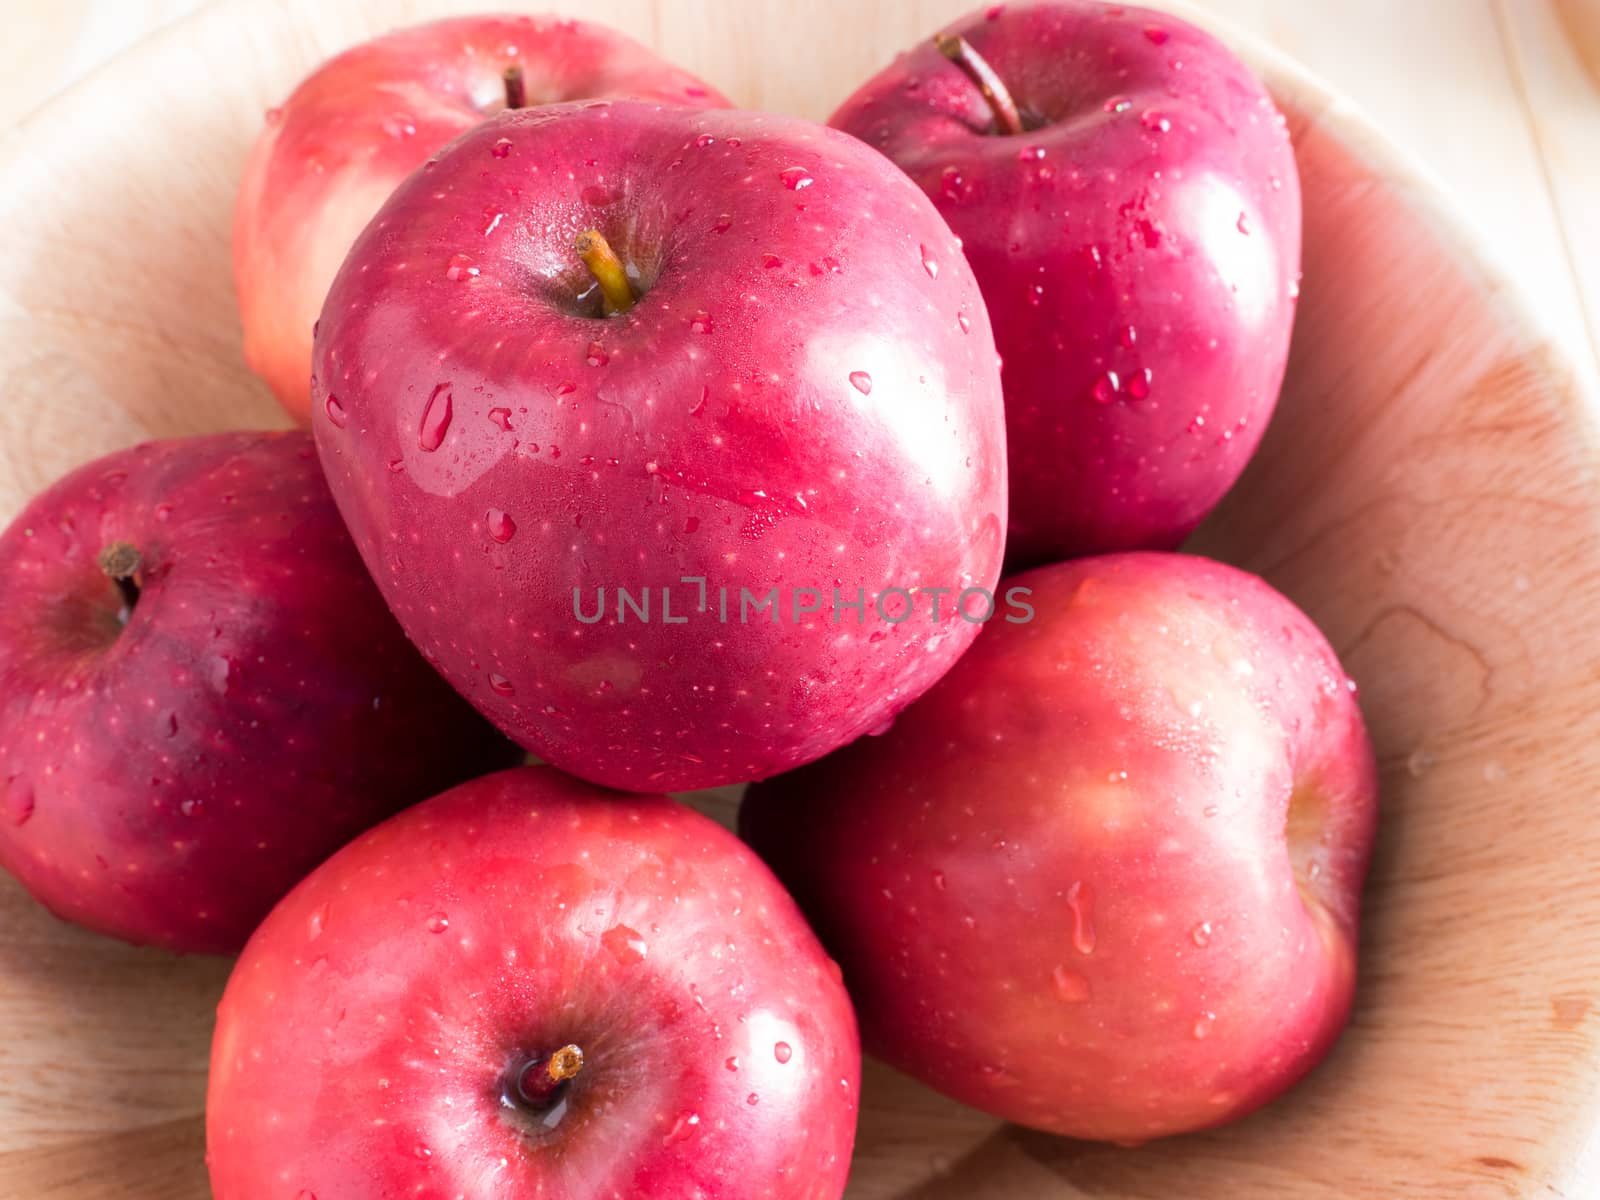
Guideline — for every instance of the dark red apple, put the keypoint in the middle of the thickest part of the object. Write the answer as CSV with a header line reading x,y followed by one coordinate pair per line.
x,y
763,368
201,692
1104,878
363,121
1130,206
533,987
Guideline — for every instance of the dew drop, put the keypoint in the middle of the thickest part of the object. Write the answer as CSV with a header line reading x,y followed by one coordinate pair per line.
x,y
399,125
1139,383
1200,935
783,1052
1071,987
438,923
929,263
700,322
1105,388
722,224
625,944
318,922
436,418
862,382
732,1062
961,320
460,268
1157,35
501,417
192,807
769,261
597,355
1154,121
336,412
752,1099
1117,104
500,525
501,148
421,1151
682,1129
795,178
1202,1025
1243,224
1083,938
501,685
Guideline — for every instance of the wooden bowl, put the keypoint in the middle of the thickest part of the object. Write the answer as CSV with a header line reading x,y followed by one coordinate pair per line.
x,y
1427,492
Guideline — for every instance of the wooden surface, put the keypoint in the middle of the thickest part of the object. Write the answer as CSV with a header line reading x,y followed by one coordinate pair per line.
x,y
1499,98
1428,493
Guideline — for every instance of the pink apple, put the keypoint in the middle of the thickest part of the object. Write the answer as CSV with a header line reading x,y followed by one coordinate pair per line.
x,y
1103,879
1138,242
533,987
201,692
794,397
362,122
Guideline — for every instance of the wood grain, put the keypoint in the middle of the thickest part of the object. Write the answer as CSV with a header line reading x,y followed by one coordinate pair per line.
x,y
1428,492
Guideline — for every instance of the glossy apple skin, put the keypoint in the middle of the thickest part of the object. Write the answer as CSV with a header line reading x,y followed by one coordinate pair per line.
x,y
351,131
805,396
167,781
366,1039
1139,251
1061,887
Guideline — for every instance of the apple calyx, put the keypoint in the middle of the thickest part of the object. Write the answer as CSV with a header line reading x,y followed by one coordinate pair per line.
x,y
540,1081
616,292
121,563
959,51
516,87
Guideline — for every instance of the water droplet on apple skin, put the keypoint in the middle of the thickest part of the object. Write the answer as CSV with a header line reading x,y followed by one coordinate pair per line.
x,y
436,417
795,178
624,944
502,528
783,1052
862,382
438,923
336,412
683,1128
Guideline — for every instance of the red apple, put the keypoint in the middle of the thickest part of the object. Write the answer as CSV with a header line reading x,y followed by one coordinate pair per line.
x,y
363,121
794,396
1103,879
1137,239
533,987
201,692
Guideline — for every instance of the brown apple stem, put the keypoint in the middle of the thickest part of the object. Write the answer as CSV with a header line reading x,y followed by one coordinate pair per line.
x,y
607,270
959,51
121,562
516,88
540,1080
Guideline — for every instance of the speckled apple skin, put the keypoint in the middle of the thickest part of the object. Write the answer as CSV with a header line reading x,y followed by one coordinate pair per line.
x,y
169,780
1139,250
330,155
806,395
1069,886
365,1041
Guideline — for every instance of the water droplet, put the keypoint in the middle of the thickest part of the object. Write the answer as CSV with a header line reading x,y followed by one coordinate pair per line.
x,y
1117,104
795,178
501,148
929,263
436,418
460,268
193,806
438,923
783,1052
336,412
501,417
19,801
500,525
1105,388
1202,1025
953,183
625,945
399,125
1199,423
1155,121
501,685
862,382
961,320
1243,224
1294,288
421,1151
682,1129
752,1099
1139,383
1128,337
1079,902
1420,762
732,1062
1071,987
597,355
318,922
771,260
1156,34
722,224
1200,935
700,322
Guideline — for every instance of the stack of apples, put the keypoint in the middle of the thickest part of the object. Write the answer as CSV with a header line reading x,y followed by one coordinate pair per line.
x,y
683,446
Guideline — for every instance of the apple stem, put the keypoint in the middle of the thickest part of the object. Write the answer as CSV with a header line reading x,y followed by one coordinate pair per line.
x,y
121,563
540,1080
959,51
516,87
607,269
